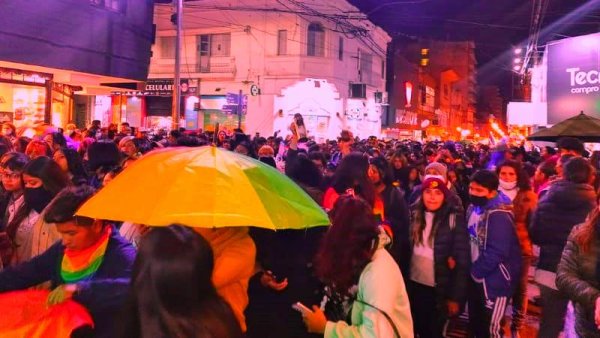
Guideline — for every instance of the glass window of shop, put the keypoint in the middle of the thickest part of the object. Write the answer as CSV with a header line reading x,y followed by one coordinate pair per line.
x,y
211,113
24,104
62,105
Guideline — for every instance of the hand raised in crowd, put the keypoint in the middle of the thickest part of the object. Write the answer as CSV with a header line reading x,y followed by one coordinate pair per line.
x,y
315,321
270,281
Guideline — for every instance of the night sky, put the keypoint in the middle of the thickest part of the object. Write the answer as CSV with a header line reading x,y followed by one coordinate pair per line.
x,y
495,25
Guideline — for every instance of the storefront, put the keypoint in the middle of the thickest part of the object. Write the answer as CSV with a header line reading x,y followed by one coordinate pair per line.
x,y
28,98
25,97
151,107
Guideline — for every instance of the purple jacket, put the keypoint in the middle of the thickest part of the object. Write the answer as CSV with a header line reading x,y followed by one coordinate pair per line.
x,y
103,294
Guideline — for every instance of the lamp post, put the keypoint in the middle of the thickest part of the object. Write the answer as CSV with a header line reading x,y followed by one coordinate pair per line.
x,y
176,106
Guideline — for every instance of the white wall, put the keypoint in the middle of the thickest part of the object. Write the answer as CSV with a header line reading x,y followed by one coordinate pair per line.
x,y
254,60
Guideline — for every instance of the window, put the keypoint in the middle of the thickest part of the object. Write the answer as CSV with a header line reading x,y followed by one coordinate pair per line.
x,y
220,44
316,40
214,44
366,66
204,45
383,69
282,42
167,47
341,49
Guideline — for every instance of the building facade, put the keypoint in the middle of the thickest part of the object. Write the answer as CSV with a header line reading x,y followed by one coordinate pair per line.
x,y
434,89
54,51
284,58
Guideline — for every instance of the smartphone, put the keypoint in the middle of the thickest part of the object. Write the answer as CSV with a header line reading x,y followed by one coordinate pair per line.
x,y
301,308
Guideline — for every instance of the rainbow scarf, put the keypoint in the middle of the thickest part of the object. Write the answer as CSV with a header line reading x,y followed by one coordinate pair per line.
x,y
80,265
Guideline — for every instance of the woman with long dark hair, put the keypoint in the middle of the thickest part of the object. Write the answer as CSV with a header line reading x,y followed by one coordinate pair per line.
x,y
71,163
400,169
414,180
439,260
352,173
578,275
172,294
102,157
514,183
354,264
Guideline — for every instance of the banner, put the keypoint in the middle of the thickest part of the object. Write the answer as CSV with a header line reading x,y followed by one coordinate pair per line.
x,y
573,77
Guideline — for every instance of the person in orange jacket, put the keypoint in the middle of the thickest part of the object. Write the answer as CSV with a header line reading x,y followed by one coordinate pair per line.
x,y
235,255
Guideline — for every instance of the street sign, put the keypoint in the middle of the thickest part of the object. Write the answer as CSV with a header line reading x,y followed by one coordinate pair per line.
x,y
230,108
254,90
244,109
232,98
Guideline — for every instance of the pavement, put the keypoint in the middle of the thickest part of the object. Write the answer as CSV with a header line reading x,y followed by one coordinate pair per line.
x,y
458,328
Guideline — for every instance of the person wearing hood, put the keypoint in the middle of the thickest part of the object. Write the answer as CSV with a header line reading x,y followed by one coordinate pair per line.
x,y
514,183
42,180
495,255
567,203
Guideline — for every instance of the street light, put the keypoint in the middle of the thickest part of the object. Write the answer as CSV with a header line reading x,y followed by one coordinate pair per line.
x,y
518,51
517,60
517,68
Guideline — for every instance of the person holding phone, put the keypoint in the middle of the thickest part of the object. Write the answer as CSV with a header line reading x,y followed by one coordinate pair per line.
x,y
298,127
363,272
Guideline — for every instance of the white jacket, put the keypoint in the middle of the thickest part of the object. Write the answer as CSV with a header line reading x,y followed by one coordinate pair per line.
x,y
381,285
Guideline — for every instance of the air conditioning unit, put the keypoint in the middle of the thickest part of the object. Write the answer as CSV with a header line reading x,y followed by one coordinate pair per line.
x,y
358,91
378,97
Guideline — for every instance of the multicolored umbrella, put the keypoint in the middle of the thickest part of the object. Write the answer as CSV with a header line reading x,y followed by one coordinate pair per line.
x,y
582,126
204,187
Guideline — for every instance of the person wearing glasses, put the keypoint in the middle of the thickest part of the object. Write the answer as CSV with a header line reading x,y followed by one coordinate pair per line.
x,y
16,219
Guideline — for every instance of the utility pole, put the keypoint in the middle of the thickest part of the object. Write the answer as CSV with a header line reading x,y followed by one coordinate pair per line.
x,y
176,106
239,109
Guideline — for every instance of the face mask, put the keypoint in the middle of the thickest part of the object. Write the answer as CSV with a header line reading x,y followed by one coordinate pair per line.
x,y
37,198
478,201
508,185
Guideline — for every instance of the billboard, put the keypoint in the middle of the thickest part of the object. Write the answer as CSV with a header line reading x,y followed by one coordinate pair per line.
x,y
573,77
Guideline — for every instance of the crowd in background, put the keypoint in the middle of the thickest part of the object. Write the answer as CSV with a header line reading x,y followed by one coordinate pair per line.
x,y
421,233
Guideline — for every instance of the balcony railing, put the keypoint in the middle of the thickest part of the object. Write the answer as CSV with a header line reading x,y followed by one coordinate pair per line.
x,y
218,66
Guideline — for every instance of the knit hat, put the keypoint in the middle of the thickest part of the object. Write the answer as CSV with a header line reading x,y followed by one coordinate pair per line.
x,y
435,183
439,167
125,140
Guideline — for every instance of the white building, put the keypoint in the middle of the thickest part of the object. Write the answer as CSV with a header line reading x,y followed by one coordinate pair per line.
x,y
322,59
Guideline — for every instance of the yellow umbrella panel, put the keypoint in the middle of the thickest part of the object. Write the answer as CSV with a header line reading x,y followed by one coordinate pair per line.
x,y
204,187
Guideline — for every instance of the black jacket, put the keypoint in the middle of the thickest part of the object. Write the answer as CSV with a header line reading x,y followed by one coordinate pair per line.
x,y
449,241
565,205
397,214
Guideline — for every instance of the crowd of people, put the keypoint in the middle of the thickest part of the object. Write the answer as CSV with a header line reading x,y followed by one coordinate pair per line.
x,y
420,233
